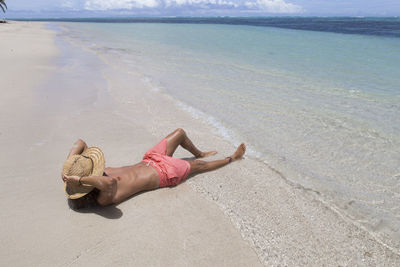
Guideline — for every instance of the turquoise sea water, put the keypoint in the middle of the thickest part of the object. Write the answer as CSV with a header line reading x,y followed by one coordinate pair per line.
x,y
322,108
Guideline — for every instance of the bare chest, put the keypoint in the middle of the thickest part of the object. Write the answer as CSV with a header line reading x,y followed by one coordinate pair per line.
x,y
134,178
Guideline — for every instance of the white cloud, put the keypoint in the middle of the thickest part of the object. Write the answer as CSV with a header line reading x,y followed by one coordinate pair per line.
x,y
169,3
269,6
119,4
274,6
67,4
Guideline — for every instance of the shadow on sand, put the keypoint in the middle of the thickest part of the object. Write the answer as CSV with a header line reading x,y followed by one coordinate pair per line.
x,y
109,212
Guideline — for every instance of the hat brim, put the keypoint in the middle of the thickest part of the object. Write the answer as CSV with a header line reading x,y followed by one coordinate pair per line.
x,y
97,157
74,192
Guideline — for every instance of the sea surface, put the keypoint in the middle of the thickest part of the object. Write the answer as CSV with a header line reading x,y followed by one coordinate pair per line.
x,y
317,99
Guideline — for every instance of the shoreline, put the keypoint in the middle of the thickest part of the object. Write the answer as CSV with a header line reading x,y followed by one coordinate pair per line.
x,y
327,139
177,106
209,188
282,222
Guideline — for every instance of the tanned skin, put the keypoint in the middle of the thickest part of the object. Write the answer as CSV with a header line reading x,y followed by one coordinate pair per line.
x,y
123,182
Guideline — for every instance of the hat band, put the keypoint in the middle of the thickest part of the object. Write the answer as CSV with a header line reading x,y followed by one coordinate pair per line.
x,y
90,160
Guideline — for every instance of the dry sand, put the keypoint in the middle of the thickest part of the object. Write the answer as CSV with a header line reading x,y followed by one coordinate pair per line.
x,y
169,227
243,215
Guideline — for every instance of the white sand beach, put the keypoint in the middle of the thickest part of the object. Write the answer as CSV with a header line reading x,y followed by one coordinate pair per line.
x,y
245,214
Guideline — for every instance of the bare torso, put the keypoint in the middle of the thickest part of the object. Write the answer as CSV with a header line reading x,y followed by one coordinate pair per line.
x,y
123,182
133,179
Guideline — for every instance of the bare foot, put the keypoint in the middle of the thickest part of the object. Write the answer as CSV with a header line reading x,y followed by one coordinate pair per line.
x,y
207,154
239,152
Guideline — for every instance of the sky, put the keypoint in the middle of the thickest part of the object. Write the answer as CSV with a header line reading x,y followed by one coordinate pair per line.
x,y
96,8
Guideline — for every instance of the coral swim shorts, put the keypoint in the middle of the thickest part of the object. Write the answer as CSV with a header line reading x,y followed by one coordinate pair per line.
x,y
171,171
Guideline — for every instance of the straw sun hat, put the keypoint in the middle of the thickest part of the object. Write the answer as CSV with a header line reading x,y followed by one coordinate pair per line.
x,y
90,163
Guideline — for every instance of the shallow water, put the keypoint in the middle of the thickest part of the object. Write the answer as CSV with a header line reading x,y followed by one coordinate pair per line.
x,y
321,108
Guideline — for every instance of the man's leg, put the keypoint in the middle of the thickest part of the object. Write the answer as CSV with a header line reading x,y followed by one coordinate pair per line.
x,y
179,137
200,166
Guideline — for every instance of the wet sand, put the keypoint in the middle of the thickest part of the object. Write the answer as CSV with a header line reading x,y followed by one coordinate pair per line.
x,y
245,214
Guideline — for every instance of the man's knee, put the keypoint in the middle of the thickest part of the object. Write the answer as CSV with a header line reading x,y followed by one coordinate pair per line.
x,y
180,131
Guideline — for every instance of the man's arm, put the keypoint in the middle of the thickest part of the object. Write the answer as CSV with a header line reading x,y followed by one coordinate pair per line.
x,y
77,148
106,185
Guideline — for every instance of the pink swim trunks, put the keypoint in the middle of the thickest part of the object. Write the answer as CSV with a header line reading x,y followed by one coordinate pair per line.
x,y
171,171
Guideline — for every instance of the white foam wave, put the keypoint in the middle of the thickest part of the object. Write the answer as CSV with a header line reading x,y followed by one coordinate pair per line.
x,y
220,129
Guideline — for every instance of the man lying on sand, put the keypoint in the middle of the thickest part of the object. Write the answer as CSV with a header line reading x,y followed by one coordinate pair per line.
x,y
88,181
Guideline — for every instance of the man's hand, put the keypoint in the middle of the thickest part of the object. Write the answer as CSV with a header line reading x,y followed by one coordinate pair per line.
x,y
78,147
71,180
